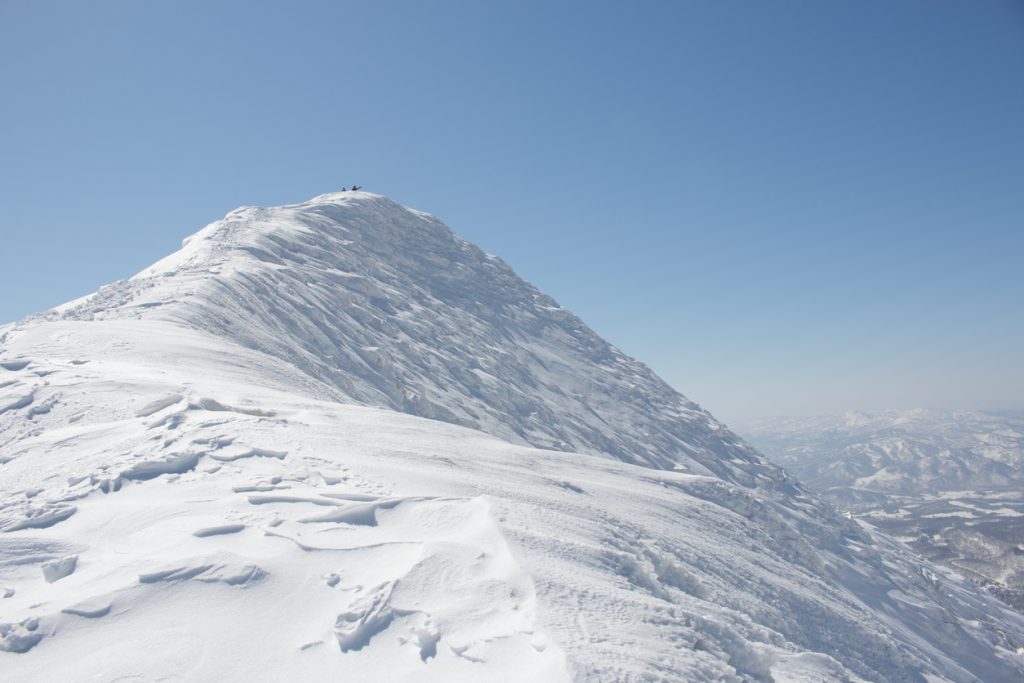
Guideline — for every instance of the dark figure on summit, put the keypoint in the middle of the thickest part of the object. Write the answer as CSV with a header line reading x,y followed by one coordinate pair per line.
x,y
356,188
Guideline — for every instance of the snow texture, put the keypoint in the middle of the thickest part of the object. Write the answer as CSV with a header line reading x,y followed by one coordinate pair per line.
x,y
335,441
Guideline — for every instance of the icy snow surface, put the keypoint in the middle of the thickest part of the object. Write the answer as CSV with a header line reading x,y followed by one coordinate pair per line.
x,y
333,441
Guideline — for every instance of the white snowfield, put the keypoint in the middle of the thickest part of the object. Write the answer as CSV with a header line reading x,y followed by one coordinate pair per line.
x,y
333,441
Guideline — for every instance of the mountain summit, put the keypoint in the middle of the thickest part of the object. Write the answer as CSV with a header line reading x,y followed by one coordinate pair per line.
x,y
386,306
334,441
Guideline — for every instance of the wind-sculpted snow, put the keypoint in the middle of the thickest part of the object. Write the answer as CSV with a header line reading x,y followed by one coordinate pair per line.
x,y
362,544
385,306
204,498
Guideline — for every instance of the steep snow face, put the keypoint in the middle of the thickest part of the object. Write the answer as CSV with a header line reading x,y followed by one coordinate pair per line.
x,y
384,306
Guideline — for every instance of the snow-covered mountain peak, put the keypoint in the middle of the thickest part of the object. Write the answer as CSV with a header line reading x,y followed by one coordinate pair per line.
x,y
242,235
219,453
385,306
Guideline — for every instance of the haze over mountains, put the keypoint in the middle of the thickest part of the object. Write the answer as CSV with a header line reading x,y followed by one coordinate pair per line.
x,y
906,452
334,440
948,482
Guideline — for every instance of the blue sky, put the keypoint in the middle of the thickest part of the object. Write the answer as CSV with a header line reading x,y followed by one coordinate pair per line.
x,y
783,208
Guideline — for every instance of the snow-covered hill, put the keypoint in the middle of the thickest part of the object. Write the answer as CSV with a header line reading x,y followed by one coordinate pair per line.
x,y
950,483
386,306
333,441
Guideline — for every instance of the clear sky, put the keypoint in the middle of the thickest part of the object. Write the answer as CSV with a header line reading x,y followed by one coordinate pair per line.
x,y
782,207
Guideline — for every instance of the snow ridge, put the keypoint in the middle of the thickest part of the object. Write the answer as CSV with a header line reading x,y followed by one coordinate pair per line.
x,y
385,306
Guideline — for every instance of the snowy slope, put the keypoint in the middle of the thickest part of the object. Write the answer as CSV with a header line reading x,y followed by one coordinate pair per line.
x,y
222,469
385,306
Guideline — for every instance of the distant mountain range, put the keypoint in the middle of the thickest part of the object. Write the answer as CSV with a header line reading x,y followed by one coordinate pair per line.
x,y
951,483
